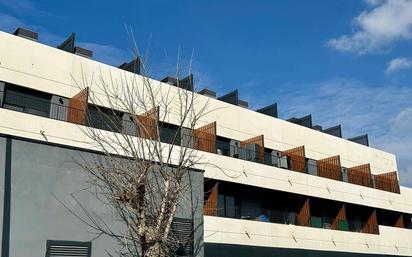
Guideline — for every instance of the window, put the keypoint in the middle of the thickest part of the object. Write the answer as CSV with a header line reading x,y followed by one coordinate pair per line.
x,y
104,118
228,206
169,133
68,248
27,100
223,146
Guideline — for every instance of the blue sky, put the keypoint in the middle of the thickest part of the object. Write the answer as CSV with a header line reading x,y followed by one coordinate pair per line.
x,y
346,62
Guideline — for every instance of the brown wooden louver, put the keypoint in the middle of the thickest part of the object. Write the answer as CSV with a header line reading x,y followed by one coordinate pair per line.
x,y
340,216
297,158
78,107
400,223
205,138
256,140
360,175
387,181
304,213
210,203
147,124
330,168
371,225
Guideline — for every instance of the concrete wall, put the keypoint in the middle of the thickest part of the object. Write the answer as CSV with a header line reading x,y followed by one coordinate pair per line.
x,y
47,185
391,241
44,68
222,167
32,64
41,177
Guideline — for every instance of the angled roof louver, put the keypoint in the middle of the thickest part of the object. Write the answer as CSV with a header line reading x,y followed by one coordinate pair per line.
x,y
233,98
83,52
270,110
363,139
68,45
334,131
25,33
170,80
185,83
208,92
132,66
243,103
317,127
305,121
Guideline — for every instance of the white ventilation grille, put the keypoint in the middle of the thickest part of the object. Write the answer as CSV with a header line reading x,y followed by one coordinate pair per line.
x,y
68,249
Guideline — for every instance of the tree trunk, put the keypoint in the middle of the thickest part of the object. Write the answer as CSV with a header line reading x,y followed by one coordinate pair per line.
x,y
154,250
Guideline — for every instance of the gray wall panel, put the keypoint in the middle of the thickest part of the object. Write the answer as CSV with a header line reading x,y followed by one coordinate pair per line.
x,y
40,175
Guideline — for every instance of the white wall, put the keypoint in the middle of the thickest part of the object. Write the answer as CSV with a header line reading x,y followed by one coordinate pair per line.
x,y
221,167
392,241
34,65
44,68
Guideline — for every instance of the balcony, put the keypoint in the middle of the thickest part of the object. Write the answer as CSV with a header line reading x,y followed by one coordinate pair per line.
x,y
238,201
78,111
293,218
322,168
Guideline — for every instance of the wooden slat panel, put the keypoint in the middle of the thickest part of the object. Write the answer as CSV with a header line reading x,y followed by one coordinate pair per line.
x,y
210,203
304,214
297,157
400,223
371,225
205,138
259,140
330,168
360,175
341,215
387,181
148,124
77,107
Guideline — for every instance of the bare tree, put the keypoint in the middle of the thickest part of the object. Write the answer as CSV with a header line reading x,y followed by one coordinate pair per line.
x,y
139,177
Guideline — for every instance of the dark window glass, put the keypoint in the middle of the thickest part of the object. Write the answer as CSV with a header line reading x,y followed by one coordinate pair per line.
x,y
223,148
230,206
27,100
221,206
104,118
169,133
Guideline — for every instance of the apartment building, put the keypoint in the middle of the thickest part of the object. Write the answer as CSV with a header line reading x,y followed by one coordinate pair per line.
x,y
269,187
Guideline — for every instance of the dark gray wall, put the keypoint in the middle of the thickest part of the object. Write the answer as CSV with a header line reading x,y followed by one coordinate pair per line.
x,y
41,176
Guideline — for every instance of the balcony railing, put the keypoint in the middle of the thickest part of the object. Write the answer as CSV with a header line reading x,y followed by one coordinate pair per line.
x,y
18,102
292,218
309,168
111,122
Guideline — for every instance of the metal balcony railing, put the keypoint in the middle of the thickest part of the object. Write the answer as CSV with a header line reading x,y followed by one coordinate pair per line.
x,y
112,122
292,218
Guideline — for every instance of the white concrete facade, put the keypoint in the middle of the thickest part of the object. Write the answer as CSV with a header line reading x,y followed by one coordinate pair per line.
x,y
34,65
390,241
